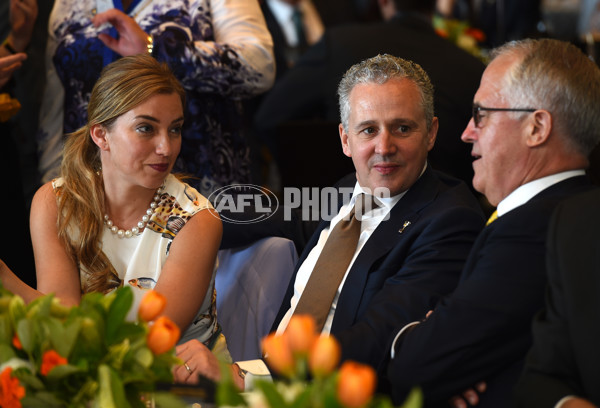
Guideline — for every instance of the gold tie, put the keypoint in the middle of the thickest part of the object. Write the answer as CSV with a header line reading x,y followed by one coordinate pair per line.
x,y
331,266
492,218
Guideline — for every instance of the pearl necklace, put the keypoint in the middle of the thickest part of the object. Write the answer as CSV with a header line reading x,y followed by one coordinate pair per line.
x,y
140,225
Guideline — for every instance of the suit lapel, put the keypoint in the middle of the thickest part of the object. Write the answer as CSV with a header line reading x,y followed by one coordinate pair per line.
x,y
386,236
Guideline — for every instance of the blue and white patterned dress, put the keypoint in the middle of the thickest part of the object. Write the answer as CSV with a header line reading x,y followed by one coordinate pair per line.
x,y
220,50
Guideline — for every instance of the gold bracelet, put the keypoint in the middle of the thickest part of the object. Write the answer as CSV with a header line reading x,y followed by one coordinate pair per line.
x,y
150,44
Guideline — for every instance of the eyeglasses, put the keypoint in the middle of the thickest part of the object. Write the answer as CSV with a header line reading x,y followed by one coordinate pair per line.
x,y
478,109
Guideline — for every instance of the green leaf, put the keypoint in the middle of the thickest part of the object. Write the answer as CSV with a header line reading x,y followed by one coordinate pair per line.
x,y
117,312
39,307
227,394
144,357
63,335
6,352
168,400
42,399
62,371
112,393
6,330
414,399
128,330
30,380
303,400
25,331
269,390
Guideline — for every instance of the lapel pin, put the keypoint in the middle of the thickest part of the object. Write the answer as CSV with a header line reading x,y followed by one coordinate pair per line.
x,y
406,224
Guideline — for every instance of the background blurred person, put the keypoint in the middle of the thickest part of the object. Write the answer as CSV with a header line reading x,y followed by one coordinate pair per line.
x,y
220,50
20,17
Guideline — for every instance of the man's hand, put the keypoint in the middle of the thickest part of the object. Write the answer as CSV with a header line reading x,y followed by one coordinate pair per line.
x,y
23,14
198,360
132,39
8,65
471,395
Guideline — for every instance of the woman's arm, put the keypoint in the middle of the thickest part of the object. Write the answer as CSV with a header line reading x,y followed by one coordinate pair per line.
x,y
188,270
230,54
55,270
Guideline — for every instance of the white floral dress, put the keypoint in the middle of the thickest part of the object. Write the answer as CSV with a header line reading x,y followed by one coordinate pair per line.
x,y
138,260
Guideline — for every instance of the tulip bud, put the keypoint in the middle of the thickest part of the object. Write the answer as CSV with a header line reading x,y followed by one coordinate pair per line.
x,y
324,356
152,305
300,333
163,335
278,354
356,384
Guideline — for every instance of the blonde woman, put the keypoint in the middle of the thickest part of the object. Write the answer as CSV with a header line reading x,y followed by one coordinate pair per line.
x,y
117,216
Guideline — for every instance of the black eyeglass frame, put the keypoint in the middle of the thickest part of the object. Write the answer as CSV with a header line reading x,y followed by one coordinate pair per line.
x,y
477,109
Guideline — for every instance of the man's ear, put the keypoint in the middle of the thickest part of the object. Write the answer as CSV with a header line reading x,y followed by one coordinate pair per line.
x,y
344,140
432,133
98,134
539,128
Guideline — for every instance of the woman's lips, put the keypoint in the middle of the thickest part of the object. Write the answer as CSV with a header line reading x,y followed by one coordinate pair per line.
x,y
160,167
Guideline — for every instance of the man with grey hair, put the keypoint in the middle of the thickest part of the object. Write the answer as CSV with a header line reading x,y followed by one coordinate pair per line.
x,y
535,121
408,249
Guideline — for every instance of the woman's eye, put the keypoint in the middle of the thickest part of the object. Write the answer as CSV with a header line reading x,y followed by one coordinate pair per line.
x,y
176,130
144,128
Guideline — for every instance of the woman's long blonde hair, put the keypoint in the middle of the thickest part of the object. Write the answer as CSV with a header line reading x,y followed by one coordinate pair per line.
x,y
123,85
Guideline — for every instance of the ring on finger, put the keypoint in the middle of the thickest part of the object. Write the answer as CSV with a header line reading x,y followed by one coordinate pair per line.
x,y
187,367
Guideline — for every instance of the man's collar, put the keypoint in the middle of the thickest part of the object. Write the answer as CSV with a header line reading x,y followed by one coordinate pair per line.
x,y
529,190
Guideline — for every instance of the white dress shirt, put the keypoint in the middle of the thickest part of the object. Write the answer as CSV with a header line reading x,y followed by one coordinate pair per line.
x,y
370,221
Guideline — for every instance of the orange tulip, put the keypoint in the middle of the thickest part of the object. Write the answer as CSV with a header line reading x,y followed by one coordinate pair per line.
x,y
51,359
324,356
163,335
278,354
152,304
301,333
356,384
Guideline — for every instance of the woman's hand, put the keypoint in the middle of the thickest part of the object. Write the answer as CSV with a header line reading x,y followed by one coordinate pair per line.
x,y
23,14
132,39
8,65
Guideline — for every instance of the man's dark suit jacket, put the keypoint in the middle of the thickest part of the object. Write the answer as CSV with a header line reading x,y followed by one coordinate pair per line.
x,y
309,90
403,269
564,358
483,330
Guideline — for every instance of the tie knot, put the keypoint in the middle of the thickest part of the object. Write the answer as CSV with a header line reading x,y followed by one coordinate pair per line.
x,y
364,204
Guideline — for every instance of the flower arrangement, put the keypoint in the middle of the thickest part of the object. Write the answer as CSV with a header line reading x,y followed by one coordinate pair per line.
x,y
462,34
307,364
87,355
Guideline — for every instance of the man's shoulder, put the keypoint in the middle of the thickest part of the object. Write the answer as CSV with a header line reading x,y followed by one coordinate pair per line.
x,y
543,204
450,191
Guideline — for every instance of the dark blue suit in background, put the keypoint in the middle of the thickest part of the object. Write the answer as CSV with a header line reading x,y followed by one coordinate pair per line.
x,y
401,272
483,330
